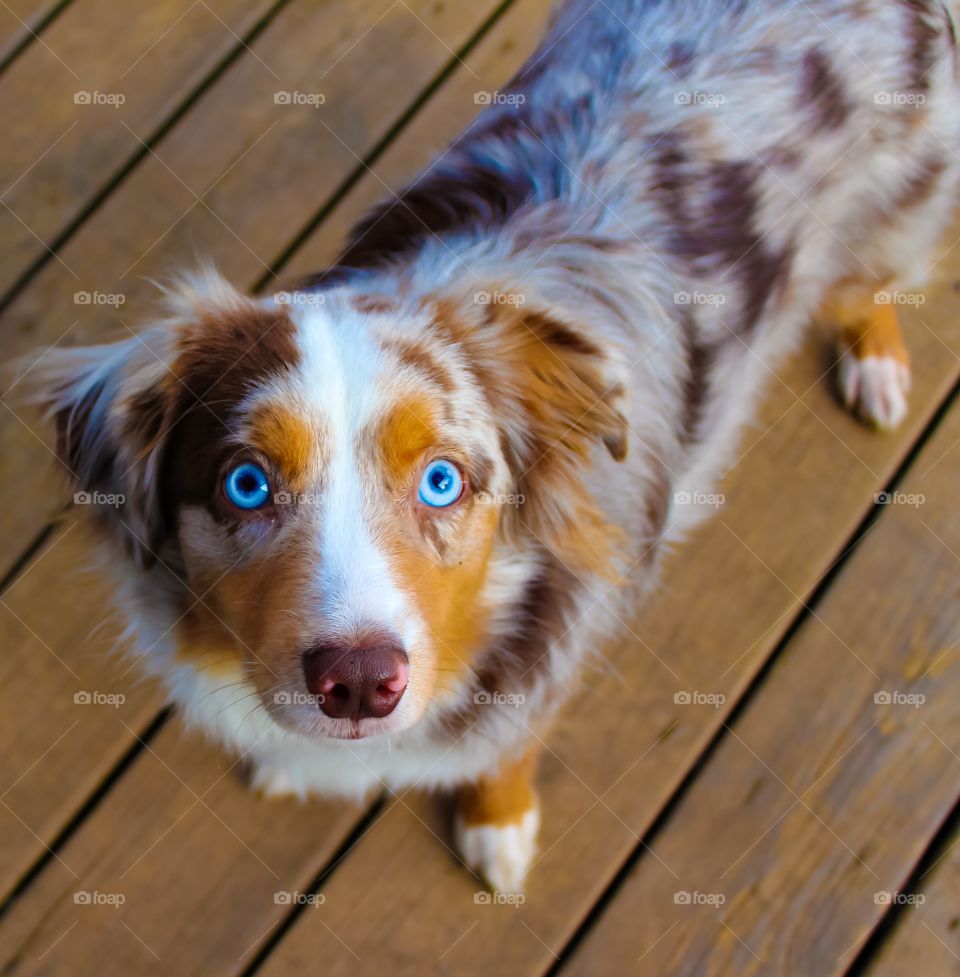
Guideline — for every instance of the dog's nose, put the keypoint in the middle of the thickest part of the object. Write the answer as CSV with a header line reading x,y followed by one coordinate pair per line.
x,y
357,681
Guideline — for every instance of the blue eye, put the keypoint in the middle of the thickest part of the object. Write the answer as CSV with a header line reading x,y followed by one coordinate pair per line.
x,y
246,486
441,484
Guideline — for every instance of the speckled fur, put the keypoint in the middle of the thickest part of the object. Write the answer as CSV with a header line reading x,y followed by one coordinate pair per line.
x,y
681,183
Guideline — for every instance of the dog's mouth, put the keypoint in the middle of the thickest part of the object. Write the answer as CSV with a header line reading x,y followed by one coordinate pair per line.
x,y
308,721
354,731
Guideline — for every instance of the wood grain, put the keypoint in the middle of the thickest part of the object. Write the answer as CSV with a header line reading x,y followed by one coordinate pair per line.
x,y
926,939
21,22
808,475
58,153
56,674
204,867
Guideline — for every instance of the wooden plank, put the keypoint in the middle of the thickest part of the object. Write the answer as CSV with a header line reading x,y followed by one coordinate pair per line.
x,y
926,939
803,485
204,868
820,800
235,180
493,61
61,151
66,704
20,24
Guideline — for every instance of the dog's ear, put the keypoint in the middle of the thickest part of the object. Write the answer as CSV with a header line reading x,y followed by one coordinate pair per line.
x,y
557,396
112,405
563,383
123,410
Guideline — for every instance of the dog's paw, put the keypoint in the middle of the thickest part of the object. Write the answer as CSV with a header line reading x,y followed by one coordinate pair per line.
x,y
500,853
875,388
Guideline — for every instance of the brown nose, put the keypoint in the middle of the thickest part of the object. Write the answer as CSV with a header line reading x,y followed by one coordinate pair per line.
x,y
357,681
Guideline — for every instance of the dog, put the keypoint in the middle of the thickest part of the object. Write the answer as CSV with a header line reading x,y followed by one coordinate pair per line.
x,y
373,527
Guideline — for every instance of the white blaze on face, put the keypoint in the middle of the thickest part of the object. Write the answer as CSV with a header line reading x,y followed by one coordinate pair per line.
x,y
356,588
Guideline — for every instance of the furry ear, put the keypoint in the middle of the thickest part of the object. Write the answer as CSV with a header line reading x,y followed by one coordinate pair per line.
x,y
112,405
567,393
116,405
556,397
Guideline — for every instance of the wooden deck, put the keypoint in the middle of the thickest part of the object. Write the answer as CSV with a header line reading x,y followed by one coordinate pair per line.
x,y
801,827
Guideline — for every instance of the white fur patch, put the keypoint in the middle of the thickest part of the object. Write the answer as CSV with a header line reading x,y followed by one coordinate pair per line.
x,y
876,388
500,853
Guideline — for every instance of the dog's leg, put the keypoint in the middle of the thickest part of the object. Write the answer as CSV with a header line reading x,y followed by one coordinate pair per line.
x,y
874,367
496,824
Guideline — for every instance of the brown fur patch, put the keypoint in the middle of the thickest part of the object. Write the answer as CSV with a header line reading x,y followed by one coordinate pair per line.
x,y
422,360
502,798
822,89
461,193
373,304
923,17
448,594
404,434
204,642
289,441
656,503
696,383
542,617
219,361
866,327
232,350
680,57
721,232
263,601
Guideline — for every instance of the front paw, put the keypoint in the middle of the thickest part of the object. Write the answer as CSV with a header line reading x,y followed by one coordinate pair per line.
x,y
875,388
500,853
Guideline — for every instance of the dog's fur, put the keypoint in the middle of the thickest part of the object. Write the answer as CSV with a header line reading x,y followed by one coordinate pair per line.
x,y
578,303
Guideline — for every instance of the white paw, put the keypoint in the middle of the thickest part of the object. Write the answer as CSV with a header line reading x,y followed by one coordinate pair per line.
x,y
875,388
272,782
500,853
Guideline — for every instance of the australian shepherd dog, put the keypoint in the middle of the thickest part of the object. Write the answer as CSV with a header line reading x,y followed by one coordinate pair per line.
x,y
373,527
